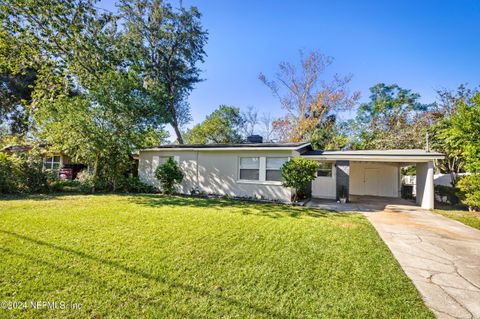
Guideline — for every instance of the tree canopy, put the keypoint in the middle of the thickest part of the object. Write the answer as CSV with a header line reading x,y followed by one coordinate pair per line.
x,y
310,101
95,96
393,119
224,125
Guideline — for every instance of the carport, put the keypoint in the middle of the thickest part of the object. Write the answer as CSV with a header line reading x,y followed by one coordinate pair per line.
x,y
355,174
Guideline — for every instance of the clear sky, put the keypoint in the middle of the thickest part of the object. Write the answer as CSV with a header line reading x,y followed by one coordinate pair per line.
x,y
420,45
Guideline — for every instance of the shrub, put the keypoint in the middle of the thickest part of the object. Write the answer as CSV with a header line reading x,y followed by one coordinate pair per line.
x,y
34,178
169,174
8,174
58,186
469,186
87,181
19,174
447,192
298,173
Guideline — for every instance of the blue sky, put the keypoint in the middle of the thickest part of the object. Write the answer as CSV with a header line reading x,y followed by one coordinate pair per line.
x,y
420,45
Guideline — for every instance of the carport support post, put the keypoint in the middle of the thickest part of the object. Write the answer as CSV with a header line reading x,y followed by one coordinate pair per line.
x,y
424,184
343,178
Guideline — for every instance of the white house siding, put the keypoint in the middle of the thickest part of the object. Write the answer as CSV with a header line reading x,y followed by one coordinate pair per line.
x,y
216,172
374,178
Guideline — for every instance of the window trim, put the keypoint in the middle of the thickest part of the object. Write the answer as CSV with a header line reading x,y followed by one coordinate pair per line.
x,y
262,170
259,169
52,163
267,169
324,169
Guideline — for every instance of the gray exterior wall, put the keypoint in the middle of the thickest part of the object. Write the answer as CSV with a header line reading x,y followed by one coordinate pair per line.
x,y
343,177
216,172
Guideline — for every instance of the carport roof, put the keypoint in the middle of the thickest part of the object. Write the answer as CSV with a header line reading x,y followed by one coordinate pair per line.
x,y
414,155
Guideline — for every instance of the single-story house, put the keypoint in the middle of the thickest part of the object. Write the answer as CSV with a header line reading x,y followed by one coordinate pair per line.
x,y
52,161
253,170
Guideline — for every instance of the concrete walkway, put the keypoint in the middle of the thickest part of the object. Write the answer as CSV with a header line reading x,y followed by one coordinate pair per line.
x,y
441,256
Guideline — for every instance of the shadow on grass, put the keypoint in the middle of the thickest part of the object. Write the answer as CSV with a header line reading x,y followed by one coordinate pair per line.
x,y
136,272
42,197
273,210
246,207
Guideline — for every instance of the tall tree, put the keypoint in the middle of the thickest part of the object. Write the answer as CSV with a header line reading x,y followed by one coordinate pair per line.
x,y
224,125
76,48
393,119
168,44
308,99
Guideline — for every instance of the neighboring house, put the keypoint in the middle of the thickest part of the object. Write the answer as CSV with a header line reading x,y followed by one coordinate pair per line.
x,y
52,161
253,170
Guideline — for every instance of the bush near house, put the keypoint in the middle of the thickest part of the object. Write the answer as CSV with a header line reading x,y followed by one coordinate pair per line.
x,y
469,186
447,194
169,175
298,173
21,174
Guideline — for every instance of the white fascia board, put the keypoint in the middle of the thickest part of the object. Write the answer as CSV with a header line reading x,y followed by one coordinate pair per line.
x,y
379,158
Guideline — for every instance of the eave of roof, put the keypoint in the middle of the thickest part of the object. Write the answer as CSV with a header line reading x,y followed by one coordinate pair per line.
x,y
413,155
227,147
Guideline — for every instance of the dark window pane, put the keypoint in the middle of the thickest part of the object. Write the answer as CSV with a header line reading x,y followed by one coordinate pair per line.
x,y
274,175
324,172
250,174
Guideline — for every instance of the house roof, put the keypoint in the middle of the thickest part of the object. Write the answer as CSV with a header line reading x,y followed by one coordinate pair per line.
x,y
20,148
217,147
305,149
412,155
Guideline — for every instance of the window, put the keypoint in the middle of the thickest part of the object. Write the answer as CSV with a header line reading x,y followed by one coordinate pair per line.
x,y
52,162
325,170
274,165
250,168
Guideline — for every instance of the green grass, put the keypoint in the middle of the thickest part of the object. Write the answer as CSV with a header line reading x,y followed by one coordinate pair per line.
x,y
471,219
149,256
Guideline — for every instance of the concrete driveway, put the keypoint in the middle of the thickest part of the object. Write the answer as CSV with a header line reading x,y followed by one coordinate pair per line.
x,y
441,256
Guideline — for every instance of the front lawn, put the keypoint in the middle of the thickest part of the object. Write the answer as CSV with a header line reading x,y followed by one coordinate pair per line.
x,y
158,257
471,219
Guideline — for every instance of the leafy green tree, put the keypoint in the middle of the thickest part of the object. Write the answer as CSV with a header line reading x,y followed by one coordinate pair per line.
x,y
470,191
224,125
393,119
76,48
16,91
441,139
169,175
166,44
465,132
298,173
330,135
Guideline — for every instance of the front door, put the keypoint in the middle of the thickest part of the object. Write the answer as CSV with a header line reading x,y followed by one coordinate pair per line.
x,y
371,181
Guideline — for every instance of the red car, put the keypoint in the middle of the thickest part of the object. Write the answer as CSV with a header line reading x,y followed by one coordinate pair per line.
x,y
70,171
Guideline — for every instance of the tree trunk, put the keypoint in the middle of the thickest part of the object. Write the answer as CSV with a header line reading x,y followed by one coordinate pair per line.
x,y
95,174
174,123
177,132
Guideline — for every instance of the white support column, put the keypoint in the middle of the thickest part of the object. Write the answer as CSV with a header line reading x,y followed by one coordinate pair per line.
x,y
425,189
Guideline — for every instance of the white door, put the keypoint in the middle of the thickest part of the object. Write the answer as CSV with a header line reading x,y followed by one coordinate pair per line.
x,y
371,184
